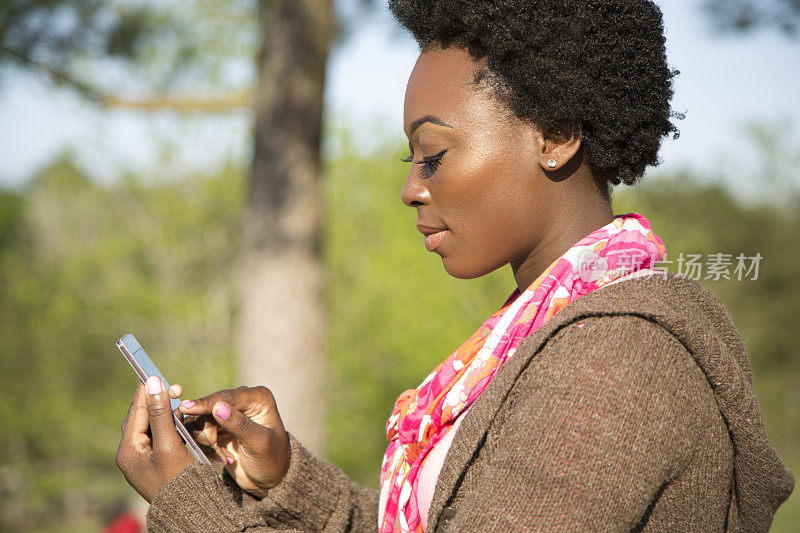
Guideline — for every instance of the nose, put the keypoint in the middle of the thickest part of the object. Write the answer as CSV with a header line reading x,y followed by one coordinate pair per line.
x,y
415,193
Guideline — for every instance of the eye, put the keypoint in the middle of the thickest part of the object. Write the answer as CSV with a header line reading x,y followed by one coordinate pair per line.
x,y
428,165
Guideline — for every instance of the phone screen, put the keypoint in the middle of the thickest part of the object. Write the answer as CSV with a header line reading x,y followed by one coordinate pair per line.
x,y
144,367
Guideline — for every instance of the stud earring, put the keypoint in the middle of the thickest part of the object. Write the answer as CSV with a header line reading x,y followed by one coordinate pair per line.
x,y
552,163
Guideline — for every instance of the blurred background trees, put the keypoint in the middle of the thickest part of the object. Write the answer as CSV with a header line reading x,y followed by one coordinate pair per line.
x,y
230,276
165,46
747,15
80,264
83,262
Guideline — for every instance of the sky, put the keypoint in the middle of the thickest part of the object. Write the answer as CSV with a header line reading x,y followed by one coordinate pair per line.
x,y
725,82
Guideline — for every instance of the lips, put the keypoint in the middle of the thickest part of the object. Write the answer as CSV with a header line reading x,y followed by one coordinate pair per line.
x,y
433,235
430,230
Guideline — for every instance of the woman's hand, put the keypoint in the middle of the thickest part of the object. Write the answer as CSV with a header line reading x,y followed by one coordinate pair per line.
x,y
247,429
151,451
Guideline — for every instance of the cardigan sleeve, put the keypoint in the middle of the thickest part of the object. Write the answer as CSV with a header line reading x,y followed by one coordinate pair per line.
x,y
313,496
597,424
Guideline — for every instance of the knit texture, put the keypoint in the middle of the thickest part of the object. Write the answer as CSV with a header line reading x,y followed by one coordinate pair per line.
x,y
423,416
653,428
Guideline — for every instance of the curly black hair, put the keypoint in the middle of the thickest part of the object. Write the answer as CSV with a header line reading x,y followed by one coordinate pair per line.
x,y
597,68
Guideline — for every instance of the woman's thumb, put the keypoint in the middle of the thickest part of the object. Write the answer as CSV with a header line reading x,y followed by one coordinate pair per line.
x,y
234,421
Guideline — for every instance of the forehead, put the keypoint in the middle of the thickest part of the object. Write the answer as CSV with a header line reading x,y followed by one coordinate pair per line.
x,y
440,84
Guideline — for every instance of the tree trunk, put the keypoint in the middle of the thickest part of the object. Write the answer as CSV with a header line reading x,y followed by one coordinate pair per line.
x,y
280,319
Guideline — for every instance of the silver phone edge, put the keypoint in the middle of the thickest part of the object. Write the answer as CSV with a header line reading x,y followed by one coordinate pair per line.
x,y
182,431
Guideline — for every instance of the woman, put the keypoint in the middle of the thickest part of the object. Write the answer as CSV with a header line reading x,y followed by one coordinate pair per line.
x,y
600,396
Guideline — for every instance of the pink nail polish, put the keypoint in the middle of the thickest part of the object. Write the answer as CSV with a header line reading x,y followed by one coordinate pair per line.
x,y
223,411
187,404
230,460
154,385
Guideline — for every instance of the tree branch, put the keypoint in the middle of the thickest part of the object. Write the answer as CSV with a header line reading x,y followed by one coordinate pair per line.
x,y
182,103
208,104
55,73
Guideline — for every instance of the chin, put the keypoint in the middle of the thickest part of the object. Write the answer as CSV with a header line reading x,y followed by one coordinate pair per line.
x,y
459,270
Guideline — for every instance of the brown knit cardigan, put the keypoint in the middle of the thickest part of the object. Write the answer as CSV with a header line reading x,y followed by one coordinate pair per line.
x,y
631,409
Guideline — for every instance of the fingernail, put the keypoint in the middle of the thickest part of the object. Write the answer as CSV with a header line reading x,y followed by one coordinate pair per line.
x,y
154,385
230,460
187,404
223,411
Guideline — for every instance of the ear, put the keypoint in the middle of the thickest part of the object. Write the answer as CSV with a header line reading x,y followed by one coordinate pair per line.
x,y
558,149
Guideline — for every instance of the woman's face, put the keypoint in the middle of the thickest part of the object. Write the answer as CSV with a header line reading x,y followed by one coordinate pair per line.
x,y
476,178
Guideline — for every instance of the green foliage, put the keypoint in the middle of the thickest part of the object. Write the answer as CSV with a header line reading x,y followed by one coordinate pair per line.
x,y
748,15
151,46
83,265
53,35
53,29
10,206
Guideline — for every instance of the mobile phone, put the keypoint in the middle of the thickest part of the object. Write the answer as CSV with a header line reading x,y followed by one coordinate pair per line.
x,y
133,352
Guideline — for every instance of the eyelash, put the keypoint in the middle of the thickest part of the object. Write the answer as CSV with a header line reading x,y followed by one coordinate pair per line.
x,y
428,164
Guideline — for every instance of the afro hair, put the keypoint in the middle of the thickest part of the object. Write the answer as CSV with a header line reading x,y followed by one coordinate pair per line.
x,y
596,68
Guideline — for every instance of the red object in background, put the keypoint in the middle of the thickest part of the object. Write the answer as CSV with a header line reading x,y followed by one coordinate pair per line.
x,y
124,523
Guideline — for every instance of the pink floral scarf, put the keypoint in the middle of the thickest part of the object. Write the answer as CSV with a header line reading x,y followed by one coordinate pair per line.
x,y
422,416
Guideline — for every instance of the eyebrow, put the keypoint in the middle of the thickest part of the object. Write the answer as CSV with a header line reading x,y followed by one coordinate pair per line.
x,y
433,119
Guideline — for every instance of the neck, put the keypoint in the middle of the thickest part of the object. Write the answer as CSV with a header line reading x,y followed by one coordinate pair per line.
x,y
575,219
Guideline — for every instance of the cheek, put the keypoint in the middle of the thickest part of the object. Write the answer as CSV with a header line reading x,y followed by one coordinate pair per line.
x,y
496,190
489,209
